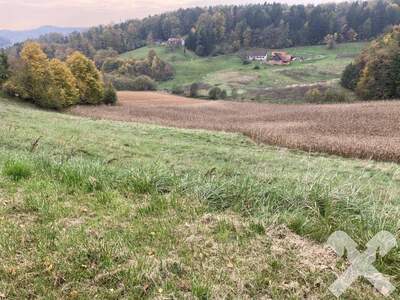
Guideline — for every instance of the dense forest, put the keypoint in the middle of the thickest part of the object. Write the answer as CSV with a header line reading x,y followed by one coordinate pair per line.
x,y
225,29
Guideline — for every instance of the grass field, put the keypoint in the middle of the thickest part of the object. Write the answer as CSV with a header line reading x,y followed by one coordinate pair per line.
x,y
121,210
227,71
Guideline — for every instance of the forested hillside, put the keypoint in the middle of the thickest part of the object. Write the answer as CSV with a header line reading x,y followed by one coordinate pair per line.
x,y
375,72
225,29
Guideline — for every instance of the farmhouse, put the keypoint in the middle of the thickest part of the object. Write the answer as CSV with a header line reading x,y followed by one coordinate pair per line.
x,y
281,58
176,42
257,55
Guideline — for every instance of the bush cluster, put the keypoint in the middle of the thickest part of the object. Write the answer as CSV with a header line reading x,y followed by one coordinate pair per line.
x,y
138,71
328,96
140,83
177,90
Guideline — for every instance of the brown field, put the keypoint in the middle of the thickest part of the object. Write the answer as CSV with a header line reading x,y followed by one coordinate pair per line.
x,y
364,130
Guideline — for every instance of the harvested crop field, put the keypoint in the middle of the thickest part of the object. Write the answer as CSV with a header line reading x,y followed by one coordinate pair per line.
x,y
365,130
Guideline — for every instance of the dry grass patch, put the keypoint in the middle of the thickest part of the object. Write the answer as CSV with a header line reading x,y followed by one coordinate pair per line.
x,y
239,258
363,130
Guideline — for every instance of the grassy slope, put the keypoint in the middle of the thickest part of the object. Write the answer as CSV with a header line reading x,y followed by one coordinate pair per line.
x,y
320,65
127,210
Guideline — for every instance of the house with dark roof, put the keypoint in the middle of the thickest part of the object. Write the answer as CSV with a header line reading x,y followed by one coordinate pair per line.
x,y
176,42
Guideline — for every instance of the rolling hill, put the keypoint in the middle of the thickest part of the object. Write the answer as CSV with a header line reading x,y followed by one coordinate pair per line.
x,y
10,37
272,83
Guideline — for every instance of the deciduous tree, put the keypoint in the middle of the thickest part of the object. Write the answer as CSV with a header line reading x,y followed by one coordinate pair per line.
x,y
89,80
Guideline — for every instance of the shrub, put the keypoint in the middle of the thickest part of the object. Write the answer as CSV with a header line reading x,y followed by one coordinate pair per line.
x,y
216,93
14,89
102,55
351,76
314,95
177,90
335,96
124,83
329,96
145,83
194,90
17,170
330,41
111,65
223,94
110,95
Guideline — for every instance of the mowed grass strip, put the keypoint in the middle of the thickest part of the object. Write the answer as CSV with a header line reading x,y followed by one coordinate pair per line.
x,y
122,210
368,130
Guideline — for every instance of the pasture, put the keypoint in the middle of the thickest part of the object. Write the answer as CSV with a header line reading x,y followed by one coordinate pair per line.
x,y
272,83
362,130
108,209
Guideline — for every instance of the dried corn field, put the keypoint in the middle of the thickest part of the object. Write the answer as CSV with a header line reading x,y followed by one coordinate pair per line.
x,y
365,130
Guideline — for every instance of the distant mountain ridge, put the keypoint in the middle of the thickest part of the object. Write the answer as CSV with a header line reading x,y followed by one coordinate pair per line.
x,y
10,37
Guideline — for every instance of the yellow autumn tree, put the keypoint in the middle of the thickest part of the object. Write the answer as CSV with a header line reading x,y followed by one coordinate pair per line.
x,y
89,80
36,69
63,89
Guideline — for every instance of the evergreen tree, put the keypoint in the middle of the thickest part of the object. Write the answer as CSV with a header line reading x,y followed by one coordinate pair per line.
x,y
110,95
4,67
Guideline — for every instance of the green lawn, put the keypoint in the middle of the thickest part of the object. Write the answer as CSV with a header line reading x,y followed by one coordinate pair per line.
x,y
227,71
122,210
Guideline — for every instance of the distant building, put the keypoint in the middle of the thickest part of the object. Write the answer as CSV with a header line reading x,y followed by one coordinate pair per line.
x,y
257,55
176,42
281,58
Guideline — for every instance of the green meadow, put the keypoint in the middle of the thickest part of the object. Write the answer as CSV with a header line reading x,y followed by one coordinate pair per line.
x,y
319,65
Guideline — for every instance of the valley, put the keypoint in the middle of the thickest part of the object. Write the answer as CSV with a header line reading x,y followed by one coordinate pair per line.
x,y
320,68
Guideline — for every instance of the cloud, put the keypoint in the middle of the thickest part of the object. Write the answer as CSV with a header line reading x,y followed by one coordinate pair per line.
x,y
21,14
31,13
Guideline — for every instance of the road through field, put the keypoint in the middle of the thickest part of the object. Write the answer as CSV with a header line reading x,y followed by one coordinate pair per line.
x,y
368,130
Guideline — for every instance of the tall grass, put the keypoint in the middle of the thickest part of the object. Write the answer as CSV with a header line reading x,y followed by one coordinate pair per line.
x,y
314,209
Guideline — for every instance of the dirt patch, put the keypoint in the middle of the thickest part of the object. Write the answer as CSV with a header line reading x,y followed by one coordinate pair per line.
x,y
274,264
365,130
236,78
301,74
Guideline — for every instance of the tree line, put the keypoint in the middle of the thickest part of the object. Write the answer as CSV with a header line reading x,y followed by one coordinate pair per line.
x,y
137,74
225,29
52,83
375,74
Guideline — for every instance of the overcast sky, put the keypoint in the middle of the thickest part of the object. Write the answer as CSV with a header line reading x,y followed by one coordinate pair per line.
x,y
26,14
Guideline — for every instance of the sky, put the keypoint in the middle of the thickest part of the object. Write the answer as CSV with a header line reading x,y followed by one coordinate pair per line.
x,y
28,14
